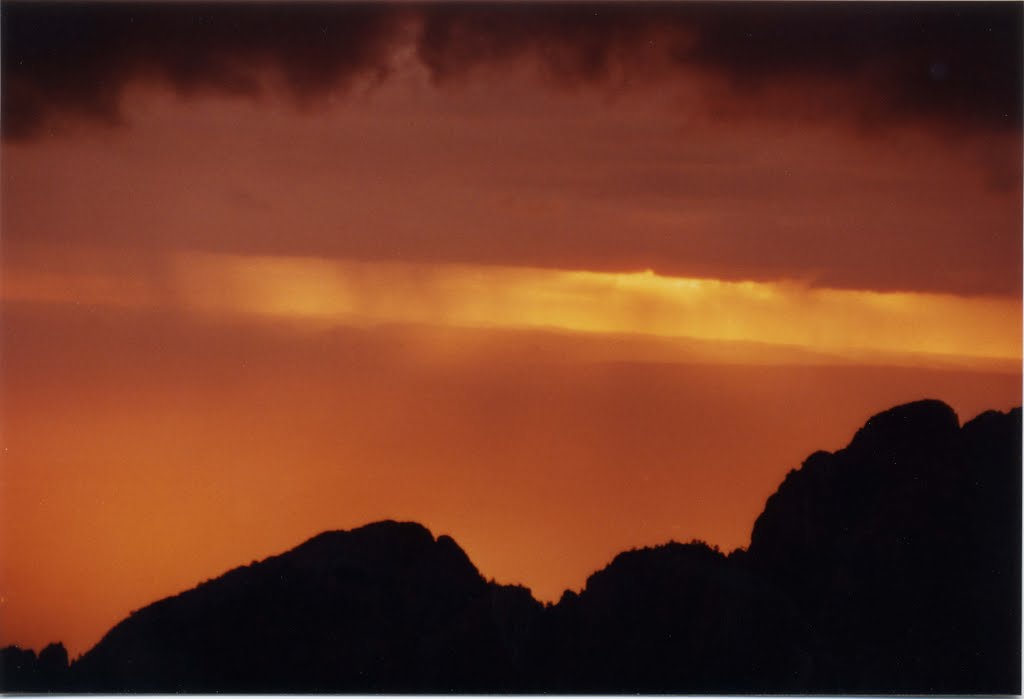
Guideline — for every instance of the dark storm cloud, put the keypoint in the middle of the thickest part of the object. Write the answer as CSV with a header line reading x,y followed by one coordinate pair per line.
x,y
953,63
76,58
949,64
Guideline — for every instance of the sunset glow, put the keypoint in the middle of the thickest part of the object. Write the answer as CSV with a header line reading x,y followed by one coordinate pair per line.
x,y
843,322
556,285
634,302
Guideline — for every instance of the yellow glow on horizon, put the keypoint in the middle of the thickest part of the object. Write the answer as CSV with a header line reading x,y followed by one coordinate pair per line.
x,y
584,301
641,303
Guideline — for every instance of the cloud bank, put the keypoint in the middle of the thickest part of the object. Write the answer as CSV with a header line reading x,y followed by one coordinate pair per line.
x,y
946,65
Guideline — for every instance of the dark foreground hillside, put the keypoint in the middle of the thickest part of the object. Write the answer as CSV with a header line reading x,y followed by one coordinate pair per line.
x,y
890,566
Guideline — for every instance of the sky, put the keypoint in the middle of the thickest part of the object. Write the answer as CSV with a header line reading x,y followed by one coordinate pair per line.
x,y
556,280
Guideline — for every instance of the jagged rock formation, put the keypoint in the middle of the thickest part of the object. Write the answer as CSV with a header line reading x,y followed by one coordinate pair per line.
x,y
892,565
902,552
384,608
22,670
678,616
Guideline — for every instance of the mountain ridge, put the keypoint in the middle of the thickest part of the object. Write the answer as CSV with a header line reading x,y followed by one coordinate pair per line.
x,y
891,565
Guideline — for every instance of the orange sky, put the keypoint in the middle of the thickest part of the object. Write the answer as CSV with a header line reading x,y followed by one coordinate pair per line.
x,y
553,318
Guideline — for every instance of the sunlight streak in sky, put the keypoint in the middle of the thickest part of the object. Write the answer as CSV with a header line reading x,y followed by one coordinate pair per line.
x,y
643,303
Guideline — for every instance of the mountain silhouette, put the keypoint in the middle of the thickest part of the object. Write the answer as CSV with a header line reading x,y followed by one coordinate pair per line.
x,y
890,566
382,608
674,618
903,553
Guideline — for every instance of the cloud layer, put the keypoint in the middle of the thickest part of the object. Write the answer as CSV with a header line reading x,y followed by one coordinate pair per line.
x,y
903,328
948,65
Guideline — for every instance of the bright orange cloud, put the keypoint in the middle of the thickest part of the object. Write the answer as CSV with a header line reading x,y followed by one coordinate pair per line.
x,y
844,322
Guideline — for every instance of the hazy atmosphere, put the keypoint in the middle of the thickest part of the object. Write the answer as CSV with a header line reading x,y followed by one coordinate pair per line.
x,y
557,280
